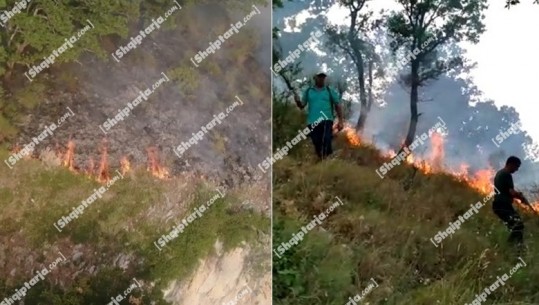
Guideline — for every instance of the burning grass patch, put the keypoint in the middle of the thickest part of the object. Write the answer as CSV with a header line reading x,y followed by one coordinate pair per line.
x,y
117,230
385,230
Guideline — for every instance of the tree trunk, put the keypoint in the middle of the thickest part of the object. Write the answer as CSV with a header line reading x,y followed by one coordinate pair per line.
x,y
362,96
413,104
371,98
357,57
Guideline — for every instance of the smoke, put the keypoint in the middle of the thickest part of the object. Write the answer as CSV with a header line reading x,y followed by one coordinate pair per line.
x,y
180,107
473,121
262,26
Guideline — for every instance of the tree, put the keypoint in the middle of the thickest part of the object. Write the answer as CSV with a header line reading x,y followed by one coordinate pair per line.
x,y
423,28
509,3
351,43
42,27
290,71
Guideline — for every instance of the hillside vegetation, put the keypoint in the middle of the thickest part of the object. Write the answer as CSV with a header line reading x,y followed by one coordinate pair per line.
x,y
112,242
382,232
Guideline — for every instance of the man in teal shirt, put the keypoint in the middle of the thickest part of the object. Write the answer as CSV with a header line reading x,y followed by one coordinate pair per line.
x,y
321,102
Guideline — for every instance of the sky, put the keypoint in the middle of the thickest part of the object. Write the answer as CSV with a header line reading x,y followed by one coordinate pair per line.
x,y
508,60
507,56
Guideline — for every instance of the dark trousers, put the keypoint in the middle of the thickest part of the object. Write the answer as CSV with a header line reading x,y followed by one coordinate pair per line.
x,y
512,221
322,135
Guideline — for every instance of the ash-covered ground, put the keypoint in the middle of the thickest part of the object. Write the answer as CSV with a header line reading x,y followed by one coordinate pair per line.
x,y
179,107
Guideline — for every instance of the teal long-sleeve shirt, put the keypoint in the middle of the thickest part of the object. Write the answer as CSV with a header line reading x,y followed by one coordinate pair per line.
x,y
318,103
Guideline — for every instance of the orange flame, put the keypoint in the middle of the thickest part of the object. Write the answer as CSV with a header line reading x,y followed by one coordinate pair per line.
x,y
154,166
125,165
410,159
462,173
69,157
352,136
103,171
437,154
91,167
482,180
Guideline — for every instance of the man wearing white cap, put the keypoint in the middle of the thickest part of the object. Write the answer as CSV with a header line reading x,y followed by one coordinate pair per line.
x,y
321,100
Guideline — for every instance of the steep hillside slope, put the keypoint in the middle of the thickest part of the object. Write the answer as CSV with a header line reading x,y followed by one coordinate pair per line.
x,y
382,234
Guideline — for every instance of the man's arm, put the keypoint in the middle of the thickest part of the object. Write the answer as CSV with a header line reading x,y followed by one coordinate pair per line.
x,y
519,196
298,101
514,193
338,108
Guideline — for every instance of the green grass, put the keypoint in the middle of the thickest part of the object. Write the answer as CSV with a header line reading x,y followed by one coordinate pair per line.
x,y
33,197
383,232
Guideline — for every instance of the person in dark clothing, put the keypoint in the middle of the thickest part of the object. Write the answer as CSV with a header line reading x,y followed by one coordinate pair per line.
x,y
503,201
321,101
322,136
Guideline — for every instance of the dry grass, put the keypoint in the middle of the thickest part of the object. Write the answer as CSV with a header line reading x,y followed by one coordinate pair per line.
x,y
121,226
386,231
